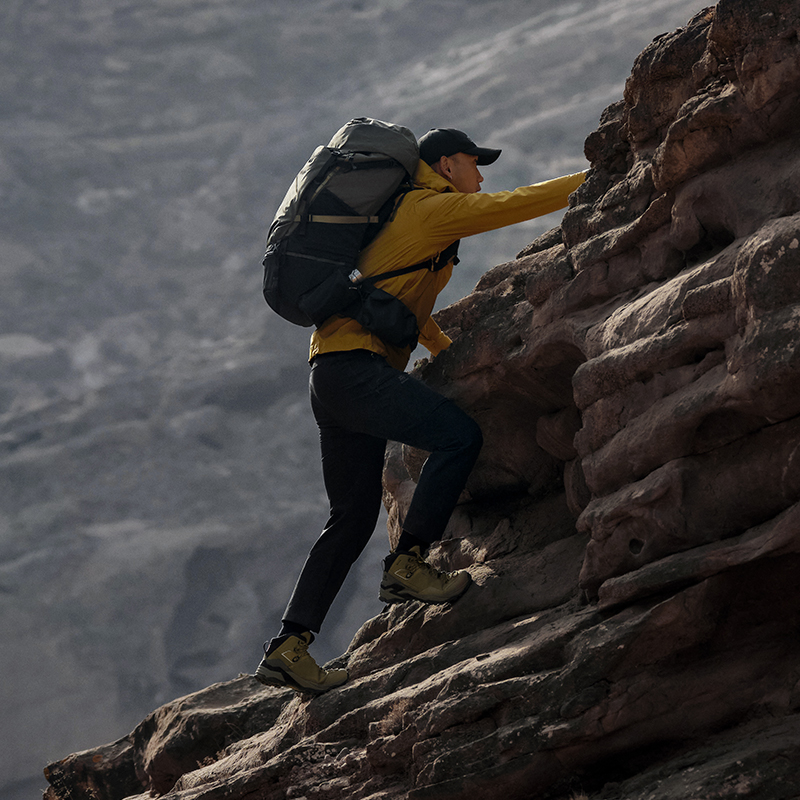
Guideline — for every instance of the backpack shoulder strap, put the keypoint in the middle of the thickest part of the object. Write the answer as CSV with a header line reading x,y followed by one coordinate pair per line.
x,y
434,264
329,219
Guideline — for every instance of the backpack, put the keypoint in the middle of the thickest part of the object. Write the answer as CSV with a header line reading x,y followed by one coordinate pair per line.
x,y
335,207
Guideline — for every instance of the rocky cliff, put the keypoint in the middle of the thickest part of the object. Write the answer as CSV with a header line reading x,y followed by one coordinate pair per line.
x,y
633,524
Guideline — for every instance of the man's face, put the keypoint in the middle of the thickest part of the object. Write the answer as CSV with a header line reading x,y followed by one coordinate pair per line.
x,y
462,171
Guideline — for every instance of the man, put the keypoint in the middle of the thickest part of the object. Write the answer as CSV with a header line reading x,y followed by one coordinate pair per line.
x,y
361,397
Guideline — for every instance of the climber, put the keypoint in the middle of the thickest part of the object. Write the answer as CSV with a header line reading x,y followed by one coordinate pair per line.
x,y
361,397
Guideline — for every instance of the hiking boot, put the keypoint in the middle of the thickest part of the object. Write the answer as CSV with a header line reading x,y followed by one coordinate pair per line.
x,y
287,663
407,576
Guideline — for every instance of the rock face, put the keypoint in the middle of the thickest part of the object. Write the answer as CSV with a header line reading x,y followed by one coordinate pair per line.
x,y
633,524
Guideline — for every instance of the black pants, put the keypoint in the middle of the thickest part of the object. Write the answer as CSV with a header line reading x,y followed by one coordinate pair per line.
x,y
360,402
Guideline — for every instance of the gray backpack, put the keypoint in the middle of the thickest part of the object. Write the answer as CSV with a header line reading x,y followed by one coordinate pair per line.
x,y
336,205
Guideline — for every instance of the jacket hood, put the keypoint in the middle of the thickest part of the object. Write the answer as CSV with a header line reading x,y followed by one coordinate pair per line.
x,y
426,178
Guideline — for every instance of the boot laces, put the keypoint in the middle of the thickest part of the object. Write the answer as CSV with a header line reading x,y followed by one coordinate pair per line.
x,y
424,565
301,648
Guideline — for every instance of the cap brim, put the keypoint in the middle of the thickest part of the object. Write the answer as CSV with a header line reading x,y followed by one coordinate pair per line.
x,y
486,155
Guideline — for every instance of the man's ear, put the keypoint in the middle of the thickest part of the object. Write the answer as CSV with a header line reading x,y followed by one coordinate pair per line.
x,y
442,167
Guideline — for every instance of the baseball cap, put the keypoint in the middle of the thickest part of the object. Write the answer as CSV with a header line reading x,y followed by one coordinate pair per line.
x,y
439,142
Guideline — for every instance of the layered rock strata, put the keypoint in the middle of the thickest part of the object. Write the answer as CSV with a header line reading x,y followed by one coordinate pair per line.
x,y
633,524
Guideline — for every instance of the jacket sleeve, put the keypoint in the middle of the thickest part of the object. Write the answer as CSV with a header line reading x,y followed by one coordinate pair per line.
x,y
449,216
432,337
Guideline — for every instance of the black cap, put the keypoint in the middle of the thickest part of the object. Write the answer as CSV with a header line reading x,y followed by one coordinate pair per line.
x,y
440,142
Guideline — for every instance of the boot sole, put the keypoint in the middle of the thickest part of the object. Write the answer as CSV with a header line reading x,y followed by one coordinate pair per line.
x,y
275,676
397,593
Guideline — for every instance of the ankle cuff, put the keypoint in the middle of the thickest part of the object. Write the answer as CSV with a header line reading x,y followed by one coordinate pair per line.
x,y
281,638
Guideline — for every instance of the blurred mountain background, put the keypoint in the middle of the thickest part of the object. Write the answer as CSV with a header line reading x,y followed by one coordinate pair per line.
x,y
159,476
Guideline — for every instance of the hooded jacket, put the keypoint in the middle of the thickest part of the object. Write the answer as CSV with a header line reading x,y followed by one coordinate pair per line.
x,y
427,220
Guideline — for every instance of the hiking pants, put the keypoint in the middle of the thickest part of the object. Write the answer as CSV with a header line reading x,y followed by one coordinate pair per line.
x,y
360,402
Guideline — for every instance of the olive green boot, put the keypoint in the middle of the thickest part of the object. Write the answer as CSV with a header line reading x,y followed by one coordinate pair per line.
x,y
286,662
407,576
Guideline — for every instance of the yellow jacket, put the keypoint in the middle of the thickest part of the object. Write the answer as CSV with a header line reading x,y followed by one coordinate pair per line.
x,y
428,220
